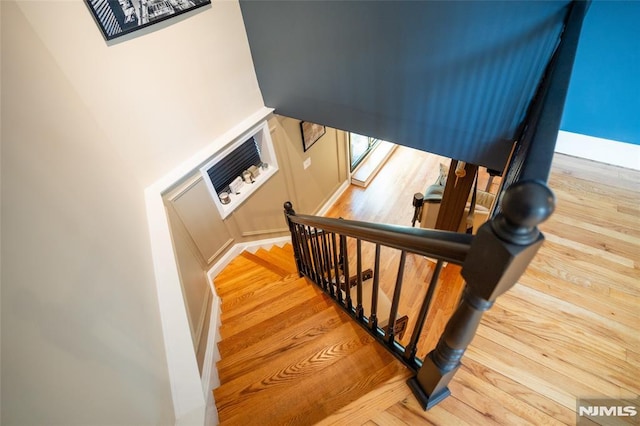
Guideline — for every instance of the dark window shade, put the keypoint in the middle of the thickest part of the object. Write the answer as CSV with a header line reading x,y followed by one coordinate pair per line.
x,y
230,167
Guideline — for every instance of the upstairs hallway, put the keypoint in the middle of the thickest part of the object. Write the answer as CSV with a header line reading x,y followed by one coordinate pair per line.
x,y
567,330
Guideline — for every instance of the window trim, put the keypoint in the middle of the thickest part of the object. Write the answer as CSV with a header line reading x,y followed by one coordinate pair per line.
x,y
264,143
372,143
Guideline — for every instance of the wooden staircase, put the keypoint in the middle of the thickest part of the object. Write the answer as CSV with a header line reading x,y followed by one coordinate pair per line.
x,y
289,355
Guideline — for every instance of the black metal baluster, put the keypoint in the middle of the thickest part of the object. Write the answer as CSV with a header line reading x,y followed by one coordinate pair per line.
x,y
300,242
345,266
327,258
318,244
295,241
393,313
298,248
288,211
314,257
340,266
359,279
303,253
341,253
305,248
411,349
373,317
314,250
336,267
322,256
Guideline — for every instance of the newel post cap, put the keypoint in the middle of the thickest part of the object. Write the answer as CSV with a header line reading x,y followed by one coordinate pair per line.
x,y
288,208
525,205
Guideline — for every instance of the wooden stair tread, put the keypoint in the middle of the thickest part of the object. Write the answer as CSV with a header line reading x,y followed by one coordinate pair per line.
x,y
318,382
286,255
367,406
254,296
287,339
266,263
280,260
289,354
287,248
267,309
365,376
262,278
241,273
233,344
292,366
229,271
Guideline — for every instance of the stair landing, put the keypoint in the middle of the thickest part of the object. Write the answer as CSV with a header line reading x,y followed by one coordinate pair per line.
x,y
289,354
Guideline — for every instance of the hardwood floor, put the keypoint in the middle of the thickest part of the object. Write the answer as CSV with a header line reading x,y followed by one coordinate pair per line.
x,y
388,199
290,355
569,329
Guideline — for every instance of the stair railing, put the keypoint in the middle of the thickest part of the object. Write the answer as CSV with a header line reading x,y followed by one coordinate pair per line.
x,y
492,261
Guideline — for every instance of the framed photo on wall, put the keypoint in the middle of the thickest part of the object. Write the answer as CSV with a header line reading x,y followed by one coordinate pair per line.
x,y
311,132
119,17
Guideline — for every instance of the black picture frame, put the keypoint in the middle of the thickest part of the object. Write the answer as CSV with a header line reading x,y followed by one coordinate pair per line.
x,y
311,132
119,17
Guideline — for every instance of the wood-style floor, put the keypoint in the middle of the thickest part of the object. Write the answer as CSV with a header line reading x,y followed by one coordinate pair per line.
x,y
289,354
388,199
569,329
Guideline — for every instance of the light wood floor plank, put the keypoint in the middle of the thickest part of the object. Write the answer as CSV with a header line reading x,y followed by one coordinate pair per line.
x,y
552,342
374,402
589,266
568,330
514,388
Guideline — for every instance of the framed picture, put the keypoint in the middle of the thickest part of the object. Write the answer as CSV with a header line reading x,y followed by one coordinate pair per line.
x,y
119,17
311,132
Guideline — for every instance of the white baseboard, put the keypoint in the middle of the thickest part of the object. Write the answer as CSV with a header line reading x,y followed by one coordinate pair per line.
x,y
210,379
598,149
236,249
332,200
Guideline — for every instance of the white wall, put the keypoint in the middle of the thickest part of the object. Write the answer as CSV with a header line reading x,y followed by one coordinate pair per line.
x,y
161,96
86,128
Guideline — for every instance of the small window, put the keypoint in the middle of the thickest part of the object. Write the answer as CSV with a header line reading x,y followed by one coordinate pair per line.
x,y
233,165
236,172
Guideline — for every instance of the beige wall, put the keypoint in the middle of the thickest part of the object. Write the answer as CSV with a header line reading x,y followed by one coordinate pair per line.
x,y
261,215
201,237
160,96
310,188
85,128
194,284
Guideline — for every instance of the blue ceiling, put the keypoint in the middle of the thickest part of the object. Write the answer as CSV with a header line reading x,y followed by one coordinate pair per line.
x,y
453,78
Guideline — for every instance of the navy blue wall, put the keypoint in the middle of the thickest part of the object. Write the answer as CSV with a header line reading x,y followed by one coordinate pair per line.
x,y
450,77
604,94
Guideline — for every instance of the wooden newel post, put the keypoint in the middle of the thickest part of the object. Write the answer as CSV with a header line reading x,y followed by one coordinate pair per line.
x,y
499,255
288,211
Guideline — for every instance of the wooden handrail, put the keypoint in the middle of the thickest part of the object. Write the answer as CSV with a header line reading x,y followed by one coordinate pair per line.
x,y
442,245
